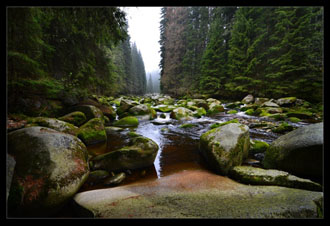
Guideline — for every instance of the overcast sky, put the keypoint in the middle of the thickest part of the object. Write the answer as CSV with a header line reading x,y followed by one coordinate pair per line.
x,y
143,28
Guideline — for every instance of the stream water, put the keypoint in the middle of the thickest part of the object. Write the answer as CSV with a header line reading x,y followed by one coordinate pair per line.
x,y
178,147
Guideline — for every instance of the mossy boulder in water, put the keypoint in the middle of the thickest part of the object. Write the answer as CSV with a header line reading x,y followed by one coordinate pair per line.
x,y
298,152
141,152
76,118
129,121
199,112
214,108
50,168
258,176
181,113
55,124
225,147
92,132
282,128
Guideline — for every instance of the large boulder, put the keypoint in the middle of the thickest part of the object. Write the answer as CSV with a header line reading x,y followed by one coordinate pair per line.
x,y
50,168
141,152
92,132
76,118
226,146
298,152
55,124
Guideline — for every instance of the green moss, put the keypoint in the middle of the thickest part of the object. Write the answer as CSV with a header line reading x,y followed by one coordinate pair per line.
x,y
216,125
232,112
283,127
129,121
258,146
249,111
76,118
92,132
294,119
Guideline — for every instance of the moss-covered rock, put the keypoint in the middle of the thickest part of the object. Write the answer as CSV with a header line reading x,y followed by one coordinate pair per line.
x,y
92,132
258,176
50,168
300,114
294,119
249,111
231,112
90,111
286,101
181,113
225,147
53,123
214,108
260,100
298,152
141,152
199,112
258,146
164,108
76,118
129,121
282,128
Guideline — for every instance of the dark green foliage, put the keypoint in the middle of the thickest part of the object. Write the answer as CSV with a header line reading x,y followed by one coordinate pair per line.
x,y
72,52
234,51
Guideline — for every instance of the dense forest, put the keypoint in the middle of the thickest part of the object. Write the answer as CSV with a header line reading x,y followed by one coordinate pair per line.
x,y
70,53
230,52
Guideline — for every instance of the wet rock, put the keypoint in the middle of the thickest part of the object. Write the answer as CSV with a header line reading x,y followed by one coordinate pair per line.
x,y
140,153
248,99
140,109
300,114
50,168
115,180
112,129
298,152
201,103
164,108
216,125
55,124
92,132
232,112
225,147
258,176
76,118
199,112
129,121
10,172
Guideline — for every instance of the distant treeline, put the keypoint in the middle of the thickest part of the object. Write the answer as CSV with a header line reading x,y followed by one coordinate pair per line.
x,y
78,50
153,82
233,51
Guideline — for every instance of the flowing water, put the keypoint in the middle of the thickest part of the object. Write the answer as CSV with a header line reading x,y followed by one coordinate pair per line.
x,y
178,147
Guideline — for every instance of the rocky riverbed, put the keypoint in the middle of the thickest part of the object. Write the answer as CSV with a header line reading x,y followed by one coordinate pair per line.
x,y
147,153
